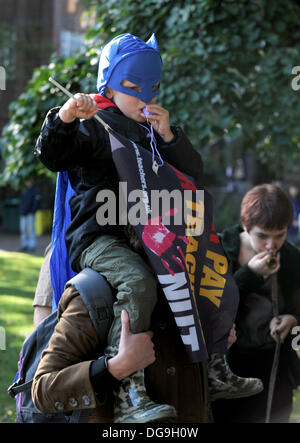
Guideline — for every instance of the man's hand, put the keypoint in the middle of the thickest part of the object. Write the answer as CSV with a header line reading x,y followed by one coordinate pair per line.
x,y
83,107
136,351
160,121
282,325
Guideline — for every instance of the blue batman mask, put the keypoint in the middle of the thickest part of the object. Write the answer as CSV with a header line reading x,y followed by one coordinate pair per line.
x,y
126,57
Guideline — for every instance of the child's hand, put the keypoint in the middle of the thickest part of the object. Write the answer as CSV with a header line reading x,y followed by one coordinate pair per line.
x,y
259,264
160,122
84,107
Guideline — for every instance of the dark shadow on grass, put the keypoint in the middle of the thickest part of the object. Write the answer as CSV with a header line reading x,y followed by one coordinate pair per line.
x,y
7,290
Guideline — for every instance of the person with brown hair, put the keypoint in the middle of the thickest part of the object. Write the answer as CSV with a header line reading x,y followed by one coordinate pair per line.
x,y
266,214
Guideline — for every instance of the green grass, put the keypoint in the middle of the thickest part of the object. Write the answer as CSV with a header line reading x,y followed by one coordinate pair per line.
x,y
18,279
295,418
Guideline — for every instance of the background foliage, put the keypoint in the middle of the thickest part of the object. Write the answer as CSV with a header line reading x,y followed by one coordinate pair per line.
x,y
227,74
29,110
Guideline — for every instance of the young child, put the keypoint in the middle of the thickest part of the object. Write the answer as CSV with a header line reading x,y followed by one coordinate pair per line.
x,y
128,81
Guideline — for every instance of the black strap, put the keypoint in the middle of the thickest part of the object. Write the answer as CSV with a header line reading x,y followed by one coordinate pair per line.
x,y
98,298
15,389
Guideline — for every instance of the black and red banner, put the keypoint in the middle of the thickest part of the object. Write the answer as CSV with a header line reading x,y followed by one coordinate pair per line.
x,y
173,218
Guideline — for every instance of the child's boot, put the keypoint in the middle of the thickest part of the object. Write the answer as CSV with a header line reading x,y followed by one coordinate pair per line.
x,y
223,383
132,404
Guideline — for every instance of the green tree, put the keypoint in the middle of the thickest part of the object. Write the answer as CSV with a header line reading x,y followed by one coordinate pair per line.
x,y
29,110
227,71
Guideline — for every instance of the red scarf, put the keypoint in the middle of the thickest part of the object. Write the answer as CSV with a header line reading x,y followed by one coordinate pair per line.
x,y
103,102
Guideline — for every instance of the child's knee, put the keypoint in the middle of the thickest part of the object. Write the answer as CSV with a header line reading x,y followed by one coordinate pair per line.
x,y
145,283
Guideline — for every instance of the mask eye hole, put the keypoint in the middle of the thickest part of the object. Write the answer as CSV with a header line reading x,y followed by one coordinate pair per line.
x,y
132,86
155,87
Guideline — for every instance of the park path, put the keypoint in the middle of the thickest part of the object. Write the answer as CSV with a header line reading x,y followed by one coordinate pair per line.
x,y
11,242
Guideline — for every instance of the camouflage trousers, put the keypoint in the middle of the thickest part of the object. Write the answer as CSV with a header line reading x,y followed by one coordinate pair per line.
x,y
128,273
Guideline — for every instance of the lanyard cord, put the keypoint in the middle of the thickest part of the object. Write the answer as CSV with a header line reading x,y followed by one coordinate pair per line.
x,y
150,134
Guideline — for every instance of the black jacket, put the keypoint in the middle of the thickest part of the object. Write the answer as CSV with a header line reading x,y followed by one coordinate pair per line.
x,y
83,149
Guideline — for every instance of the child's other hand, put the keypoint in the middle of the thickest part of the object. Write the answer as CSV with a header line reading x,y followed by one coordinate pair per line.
x,y
282,325
232,338
160,121
85,107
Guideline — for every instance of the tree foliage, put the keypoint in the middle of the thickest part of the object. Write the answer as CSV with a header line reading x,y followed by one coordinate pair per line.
x,y
28,112
227,73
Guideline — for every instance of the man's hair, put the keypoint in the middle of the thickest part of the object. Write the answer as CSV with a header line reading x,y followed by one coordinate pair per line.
x,y
267,207
132,237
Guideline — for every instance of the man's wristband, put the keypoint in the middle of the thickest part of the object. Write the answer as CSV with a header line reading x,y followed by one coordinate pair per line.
x,y
101,378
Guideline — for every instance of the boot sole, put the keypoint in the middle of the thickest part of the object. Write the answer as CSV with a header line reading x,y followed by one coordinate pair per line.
x,y
166,416
223,395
